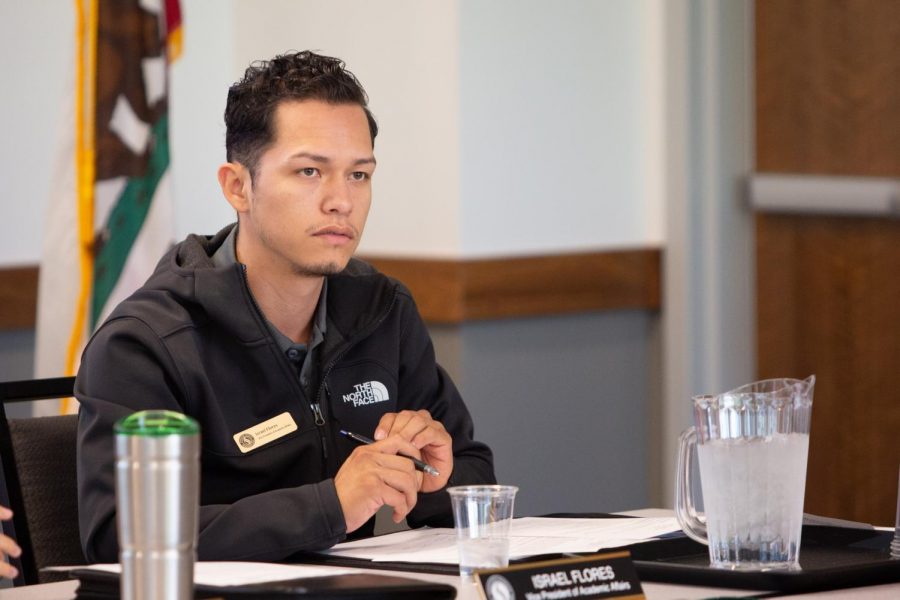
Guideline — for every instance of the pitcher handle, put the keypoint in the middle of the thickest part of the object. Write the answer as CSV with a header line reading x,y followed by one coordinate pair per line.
x,y
685,511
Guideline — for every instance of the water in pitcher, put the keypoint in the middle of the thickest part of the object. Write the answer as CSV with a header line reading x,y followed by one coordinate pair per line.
x,y
758,490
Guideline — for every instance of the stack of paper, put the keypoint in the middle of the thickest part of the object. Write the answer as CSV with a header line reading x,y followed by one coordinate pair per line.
x,y
529,536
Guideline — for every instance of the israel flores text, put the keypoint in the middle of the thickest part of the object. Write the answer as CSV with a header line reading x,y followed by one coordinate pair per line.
x,y
542,581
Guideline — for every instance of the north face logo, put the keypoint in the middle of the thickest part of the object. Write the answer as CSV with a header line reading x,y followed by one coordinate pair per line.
x,y
369,392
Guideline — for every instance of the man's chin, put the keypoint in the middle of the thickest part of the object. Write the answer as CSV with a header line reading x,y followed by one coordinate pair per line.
x,y
320,270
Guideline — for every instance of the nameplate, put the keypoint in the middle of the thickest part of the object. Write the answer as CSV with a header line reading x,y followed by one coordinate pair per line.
x,y
609,575
265,432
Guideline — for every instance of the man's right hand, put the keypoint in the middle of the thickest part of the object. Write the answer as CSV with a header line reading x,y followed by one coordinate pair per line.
x,y
374,475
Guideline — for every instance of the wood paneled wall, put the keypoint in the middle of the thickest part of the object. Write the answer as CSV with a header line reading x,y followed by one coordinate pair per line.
x,y
18,297
455,291
828,288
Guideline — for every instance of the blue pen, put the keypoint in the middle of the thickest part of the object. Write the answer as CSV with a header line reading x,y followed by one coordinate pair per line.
x,y
420,466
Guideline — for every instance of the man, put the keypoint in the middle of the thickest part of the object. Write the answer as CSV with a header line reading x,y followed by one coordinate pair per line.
x,y
271,326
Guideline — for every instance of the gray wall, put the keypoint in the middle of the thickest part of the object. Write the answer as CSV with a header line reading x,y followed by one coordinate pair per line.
x,y
16,354
17,362
564,402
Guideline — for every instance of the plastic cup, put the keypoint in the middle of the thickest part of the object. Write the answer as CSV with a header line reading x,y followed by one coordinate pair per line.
x,y
482,515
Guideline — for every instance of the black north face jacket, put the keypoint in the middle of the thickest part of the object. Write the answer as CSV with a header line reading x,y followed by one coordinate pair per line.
x,y
192,340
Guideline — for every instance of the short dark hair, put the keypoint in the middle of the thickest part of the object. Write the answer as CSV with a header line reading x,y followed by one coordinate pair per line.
x,y
295,76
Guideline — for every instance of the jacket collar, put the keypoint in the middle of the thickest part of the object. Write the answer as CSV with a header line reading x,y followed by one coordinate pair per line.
x,y
358,297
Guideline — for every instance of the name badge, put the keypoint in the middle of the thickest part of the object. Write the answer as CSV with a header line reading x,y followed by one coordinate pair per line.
x,y
609,575
265,432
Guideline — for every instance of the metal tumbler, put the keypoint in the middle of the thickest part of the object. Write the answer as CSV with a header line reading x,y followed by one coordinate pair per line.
x,y
157,499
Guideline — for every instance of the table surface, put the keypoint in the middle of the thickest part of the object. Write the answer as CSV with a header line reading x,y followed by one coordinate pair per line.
x,y
653,591
467,591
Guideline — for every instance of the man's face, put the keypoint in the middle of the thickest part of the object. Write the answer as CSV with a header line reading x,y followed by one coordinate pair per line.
x,y
312,188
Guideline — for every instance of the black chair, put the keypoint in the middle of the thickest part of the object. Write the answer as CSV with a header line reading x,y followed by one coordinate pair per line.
x,y
38,459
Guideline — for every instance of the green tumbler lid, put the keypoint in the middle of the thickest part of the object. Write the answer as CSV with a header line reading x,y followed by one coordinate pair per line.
x,y
157,423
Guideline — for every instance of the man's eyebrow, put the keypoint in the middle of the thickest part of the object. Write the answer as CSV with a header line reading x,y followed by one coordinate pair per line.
x,y
311,156
369,160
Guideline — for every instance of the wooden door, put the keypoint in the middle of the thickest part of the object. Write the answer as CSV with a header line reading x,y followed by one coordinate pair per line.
x,y
828,288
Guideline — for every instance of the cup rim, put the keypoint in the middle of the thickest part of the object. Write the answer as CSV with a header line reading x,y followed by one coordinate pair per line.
x,y
482,490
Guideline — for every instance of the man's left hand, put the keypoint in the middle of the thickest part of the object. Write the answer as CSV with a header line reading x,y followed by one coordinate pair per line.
x,y
426,434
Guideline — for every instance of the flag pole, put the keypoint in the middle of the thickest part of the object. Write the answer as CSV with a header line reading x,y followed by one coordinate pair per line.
x,y
86,68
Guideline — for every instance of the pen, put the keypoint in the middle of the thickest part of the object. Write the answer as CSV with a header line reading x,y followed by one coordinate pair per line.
x,y
420,466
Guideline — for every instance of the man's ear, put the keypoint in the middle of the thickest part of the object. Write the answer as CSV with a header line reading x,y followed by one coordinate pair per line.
x,y
234,179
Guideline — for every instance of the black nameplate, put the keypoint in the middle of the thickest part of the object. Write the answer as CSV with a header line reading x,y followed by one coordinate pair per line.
x,y
609,575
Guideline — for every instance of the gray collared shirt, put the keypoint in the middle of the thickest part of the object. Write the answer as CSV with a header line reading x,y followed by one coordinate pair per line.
x,y
300,355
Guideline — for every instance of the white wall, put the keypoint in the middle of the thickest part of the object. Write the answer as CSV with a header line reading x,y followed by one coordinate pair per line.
x,y
554,114
507,127
405,53
34,65
199,82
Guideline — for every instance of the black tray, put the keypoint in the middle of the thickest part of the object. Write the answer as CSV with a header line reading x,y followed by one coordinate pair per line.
x,y
830,558
103,585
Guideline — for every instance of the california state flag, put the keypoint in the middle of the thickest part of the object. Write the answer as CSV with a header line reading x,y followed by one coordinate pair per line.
x,y
111,217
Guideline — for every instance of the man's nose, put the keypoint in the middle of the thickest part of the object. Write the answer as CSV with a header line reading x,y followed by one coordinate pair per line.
x,y
338,197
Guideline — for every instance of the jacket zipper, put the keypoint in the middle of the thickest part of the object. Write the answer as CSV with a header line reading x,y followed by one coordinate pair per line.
x,y
320,423
318,418
317,412
324,385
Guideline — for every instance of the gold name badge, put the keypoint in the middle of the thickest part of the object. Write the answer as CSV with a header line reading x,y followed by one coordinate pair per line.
x,y
265,432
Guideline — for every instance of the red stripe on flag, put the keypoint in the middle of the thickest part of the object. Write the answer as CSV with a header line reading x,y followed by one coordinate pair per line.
x,y
173,16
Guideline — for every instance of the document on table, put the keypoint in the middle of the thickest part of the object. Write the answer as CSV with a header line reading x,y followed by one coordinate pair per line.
x,y
232,573
529,536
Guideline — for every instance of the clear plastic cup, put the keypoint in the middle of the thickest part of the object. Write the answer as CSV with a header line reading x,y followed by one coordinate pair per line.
x,y
482,514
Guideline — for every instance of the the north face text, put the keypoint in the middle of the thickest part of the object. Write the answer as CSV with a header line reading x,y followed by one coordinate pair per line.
x,y
369,392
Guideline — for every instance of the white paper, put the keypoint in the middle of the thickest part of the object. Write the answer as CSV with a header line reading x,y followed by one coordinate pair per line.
x,y
529,536
228,573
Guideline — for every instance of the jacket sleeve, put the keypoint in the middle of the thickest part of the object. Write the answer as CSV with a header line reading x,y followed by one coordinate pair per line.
x,y
126,368
425,385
